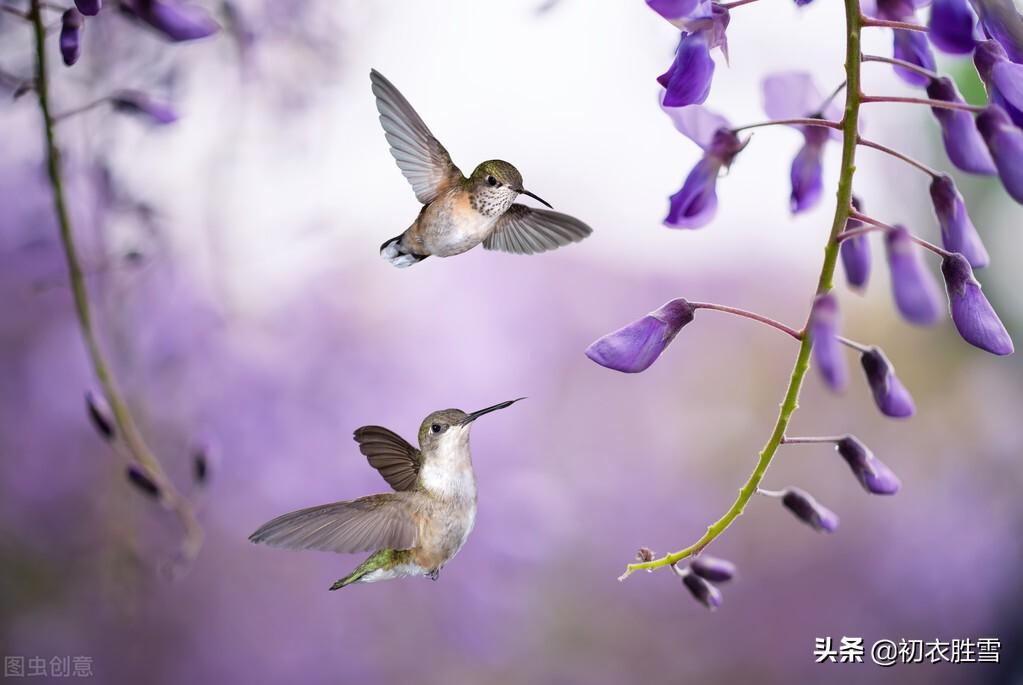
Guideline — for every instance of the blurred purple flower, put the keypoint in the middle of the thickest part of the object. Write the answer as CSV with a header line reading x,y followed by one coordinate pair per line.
x,y
673,9
875,477
1002,21
705,593
809,511
957,231
635,347
972,314
806,172
1002,78
71,24
951,26
890,394
100,416
1005,142
687,81
855,253
827,351
963,143
916,294
894,10
142,482
713,569
912,47
138,103
176,20
89,8
695,204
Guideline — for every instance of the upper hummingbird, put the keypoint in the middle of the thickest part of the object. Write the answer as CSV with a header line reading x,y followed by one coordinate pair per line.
x,y
413,531
459,213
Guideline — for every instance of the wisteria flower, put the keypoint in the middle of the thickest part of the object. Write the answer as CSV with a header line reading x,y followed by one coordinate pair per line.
x,y
809,511
963,143
695,204
633,348
893,10
176,20
890,394
951,26
713,569
912,47
957,231
71,24
1005,142
916,294
794,95
688,79
138,103
1002,21
875,477
1002,77
89,8
703,591
827,351
855,253
972,314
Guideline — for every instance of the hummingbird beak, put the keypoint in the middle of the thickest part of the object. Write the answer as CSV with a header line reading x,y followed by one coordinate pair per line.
x,y
476,414
523,191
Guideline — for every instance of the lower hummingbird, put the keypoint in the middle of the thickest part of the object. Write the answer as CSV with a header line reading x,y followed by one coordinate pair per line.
x,y
459,213
413,531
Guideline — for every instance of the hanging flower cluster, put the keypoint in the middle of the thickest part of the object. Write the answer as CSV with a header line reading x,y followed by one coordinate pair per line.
x,y
984,140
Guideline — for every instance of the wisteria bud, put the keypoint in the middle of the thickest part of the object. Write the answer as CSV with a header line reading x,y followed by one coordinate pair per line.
x,y
713,569
142,482
875,477
703,591
635,347
890,394
809,511
916,294
100,416
972,314
71,24
827,350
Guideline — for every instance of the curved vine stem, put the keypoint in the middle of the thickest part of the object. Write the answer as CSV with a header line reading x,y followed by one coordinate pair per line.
x,y
790,403
127,430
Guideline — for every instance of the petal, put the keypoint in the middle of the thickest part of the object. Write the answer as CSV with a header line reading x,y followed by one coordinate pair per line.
x,y
633,348
705,593
696,203
916,294
972,314
1007,77
673,9
875,477
687,81
1002,21
963,142
810,511
911,46
957,231
175,20
713,569
138,103
1005,142
828,355
71,36
790,95
951,26
805,176
890,394
697,123
89,8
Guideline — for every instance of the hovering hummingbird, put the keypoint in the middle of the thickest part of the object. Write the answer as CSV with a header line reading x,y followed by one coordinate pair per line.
x,y
413,531
460,213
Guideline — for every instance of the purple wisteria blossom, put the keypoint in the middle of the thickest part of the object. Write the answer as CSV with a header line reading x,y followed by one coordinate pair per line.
x,y
1002,77
972,314
809,511
142,482
695,204
1005,142
890,394
957,231
687,81
100,415
712,569
792,95
855,253
71,24
177,21
916,294
875,477
1002,21
704,592
89,8
963,143
951,26
633,348
912,47
828,355
138,103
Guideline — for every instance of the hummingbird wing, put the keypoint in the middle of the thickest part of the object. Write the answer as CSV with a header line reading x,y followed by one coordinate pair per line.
x,y
524,230
420,156
362,525
390,454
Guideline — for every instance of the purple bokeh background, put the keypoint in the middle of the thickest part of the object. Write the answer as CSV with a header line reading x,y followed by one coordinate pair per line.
x,y
269,335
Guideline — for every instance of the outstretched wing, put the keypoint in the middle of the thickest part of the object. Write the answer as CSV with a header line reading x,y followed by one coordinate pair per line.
x,y
524,230
363,525
420,156
390,454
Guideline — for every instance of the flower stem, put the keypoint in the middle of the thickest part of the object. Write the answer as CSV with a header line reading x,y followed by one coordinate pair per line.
x,y
193,533
900,156
736,3
870,22
810,440
940,104
859,347
837,125
904,64
941,252
749,315
824,283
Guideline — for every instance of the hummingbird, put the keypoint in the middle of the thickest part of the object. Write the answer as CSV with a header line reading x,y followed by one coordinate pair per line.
x,y
459,213
413,531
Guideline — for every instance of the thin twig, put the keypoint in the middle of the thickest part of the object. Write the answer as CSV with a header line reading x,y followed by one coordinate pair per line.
x,y
898,155
902,63
749,315
807,121
940,104
889,24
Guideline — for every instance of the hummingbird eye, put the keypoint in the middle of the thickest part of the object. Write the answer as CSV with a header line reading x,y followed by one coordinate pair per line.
x,y
435,428
491,181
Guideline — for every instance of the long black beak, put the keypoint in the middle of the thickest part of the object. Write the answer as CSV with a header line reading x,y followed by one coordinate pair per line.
x,y
476,414
535,197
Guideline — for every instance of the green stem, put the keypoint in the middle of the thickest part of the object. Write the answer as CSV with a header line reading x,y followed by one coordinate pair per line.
x,y
824,284
122,416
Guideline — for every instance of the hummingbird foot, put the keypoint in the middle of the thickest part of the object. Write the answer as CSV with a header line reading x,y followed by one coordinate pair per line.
x,y
434,574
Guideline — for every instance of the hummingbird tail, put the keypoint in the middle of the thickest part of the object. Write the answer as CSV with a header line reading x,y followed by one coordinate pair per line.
x,y
397,255
382,559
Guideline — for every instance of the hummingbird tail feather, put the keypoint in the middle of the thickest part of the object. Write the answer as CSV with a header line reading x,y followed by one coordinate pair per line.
x,y
378,560
397,255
